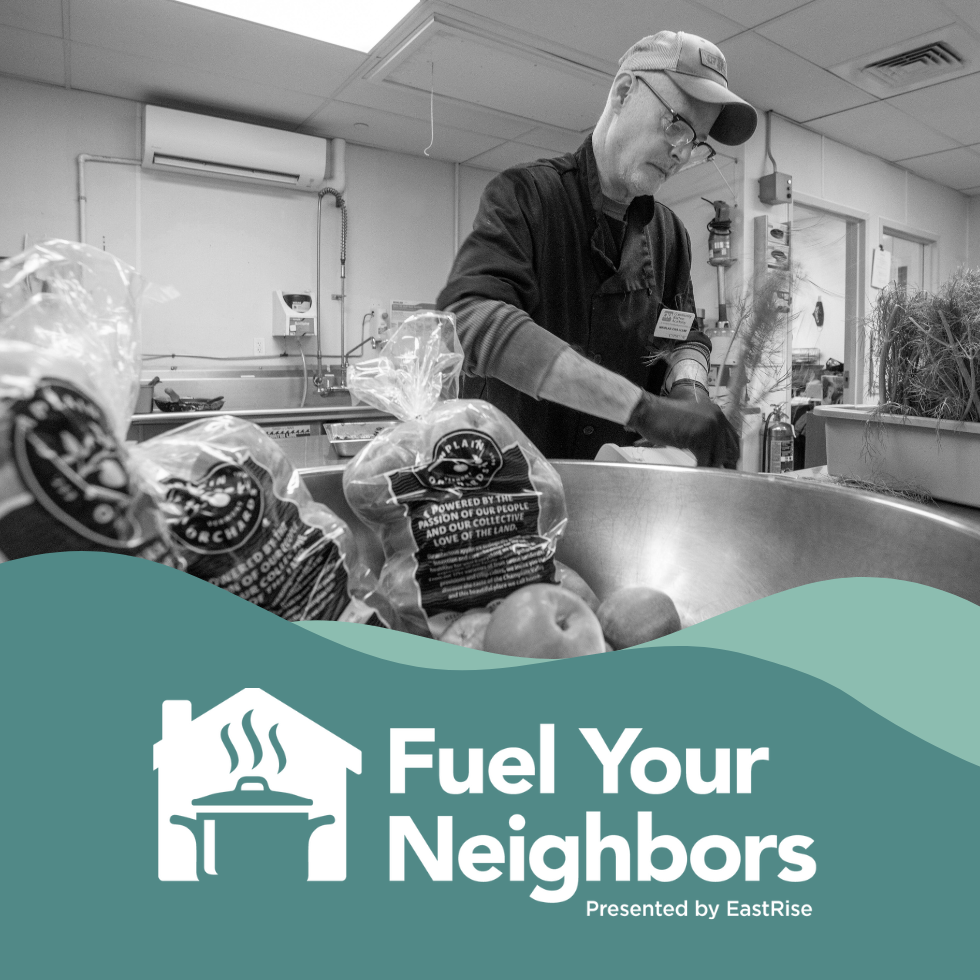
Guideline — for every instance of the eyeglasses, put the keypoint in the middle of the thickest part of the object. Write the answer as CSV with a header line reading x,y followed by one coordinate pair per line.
x,y
680,132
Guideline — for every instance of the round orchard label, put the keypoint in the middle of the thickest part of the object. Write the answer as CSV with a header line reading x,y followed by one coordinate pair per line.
x,y
466,459
219,512
72,464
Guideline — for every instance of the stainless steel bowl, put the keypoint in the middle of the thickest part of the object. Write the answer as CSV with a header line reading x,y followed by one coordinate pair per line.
x,y
714,540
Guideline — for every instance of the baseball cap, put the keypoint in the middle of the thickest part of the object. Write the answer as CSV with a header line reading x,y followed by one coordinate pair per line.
x,y
699,68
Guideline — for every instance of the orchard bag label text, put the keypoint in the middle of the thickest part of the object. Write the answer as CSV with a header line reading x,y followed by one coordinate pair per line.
x,y
77,493
239,535
473,513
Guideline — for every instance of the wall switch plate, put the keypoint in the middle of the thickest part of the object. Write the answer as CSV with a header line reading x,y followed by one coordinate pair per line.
x,y
258,346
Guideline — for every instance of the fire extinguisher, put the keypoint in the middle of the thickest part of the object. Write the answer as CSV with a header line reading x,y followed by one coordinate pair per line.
x,y
777,443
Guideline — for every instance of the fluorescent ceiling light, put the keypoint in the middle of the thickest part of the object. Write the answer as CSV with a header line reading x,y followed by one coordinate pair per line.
x,y
357,24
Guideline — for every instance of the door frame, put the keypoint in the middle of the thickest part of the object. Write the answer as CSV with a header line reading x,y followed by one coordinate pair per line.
x,y
896,229
857,303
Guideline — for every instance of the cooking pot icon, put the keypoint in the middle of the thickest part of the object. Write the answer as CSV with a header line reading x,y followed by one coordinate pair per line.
x,y
264,834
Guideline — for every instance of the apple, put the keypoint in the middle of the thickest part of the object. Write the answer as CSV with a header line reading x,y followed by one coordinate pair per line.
x,y
440,622
469,629
569,579
546,622
637,615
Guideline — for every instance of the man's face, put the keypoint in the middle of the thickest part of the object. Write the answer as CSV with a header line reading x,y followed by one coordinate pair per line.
x,y
641,157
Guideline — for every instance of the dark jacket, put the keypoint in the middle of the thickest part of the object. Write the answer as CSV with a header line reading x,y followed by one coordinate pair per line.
x,y
540,243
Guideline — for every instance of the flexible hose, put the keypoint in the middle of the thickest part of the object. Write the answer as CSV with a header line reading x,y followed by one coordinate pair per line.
x,y
302,354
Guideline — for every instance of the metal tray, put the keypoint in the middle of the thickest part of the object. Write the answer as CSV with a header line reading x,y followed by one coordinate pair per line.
x,y
349,438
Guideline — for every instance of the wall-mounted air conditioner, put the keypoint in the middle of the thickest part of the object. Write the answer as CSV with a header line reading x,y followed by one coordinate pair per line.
x,y
188,143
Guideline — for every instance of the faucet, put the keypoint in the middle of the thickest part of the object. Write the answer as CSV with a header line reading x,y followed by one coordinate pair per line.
x,y
326,386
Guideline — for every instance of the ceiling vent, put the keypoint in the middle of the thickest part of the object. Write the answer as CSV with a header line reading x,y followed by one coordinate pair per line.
x,y
928,59
925,62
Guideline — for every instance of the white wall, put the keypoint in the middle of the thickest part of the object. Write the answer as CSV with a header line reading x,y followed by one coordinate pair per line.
x,y
223,246
839,176
471,184
835,177
974,227
43,129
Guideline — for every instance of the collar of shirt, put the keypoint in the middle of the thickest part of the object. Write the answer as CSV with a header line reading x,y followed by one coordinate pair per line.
x,y
634,269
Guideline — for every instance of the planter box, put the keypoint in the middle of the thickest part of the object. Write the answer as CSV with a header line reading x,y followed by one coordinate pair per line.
x,y
942,458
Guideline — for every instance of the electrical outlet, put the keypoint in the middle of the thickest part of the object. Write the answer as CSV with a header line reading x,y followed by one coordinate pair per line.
x,y
258,346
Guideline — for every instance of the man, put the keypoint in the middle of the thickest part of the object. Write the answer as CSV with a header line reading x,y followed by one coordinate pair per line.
x,y
559,290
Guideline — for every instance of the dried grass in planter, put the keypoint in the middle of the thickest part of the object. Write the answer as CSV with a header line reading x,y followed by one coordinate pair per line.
x,y
759,318
926,349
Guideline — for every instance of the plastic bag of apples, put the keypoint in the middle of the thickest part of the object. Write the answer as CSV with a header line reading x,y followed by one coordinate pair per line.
x,y
470,513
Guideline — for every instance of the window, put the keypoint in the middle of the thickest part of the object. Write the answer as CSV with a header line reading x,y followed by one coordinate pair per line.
x,y
911,259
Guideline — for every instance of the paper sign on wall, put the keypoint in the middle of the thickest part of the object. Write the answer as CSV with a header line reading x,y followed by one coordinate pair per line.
x,y
881,267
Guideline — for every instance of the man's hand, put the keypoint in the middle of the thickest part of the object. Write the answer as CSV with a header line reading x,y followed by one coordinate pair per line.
x,y
688,423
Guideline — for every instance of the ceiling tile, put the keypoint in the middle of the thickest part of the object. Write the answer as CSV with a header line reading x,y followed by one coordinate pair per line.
x,y
955,38
509,155
185,35
497,76
552,138
828,32
604,31
410,102
698,181
959,168
29,55
883,130
967,10
388,131
770,77
950,107
749,13
176,86
42,16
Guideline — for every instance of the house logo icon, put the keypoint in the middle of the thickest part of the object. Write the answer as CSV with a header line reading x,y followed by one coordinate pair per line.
x,y
251,790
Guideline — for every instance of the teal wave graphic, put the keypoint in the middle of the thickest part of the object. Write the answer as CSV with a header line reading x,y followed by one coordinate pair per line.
x,y
416,651
904,650
907,651
891,817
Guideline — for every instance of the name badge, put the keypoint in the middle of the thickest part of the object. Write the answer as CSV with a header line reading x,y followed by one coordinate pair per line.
x,y
673,324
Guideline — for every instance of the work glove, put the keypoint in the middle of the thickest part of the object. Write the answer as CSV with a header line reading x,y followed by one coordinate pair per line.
x,y
687,419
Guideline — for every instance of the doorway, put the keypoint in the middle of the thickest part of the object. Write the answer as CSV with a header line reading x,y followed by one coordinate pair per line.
x,y
828,254
912,259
